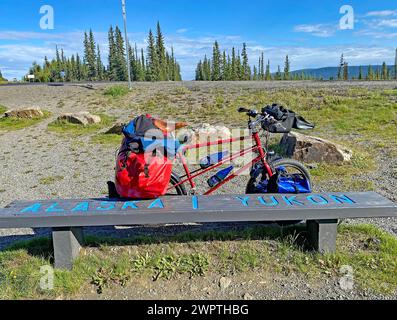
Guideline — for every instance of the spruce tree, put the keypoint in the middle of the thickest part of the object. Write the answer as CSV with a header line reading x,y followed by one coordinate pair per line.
x,y
216,63
268,75
340,68
142,74
153,66
385,72
240,74
286,68
90,55
255,75
133,63
224,67
278,73
121,66
370,73
112,72
161,55
360,73
199,71
234,66
79,71
206,69
262,67
246,70
100,67
229,68
345,71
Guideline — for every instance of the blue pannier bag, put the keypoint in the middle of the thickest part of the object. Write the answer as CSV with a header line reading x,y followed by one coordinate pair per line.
x,y
283,182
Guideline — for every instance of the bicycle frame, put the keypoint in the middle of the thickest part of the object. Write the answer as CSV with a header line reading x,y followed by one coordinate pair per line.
x,y
255,148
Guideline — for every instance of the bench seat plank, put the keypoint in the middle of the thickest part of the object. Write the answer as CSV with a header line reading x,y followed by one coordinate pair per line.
x,y
188,209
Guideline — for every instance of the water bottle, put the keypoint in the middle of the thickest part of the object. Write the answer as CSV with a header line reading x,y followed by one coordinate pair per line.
x,y
212,159
219,176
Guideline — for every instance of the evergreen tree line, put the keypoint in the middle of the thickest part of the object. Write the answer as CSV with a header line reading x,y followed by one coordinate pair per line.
x,y
235,67
223,67
382,73
157,64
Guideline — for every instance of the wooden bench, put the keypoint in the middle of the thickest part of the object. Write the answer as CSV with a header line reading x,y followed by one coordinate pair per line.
x,y
68,217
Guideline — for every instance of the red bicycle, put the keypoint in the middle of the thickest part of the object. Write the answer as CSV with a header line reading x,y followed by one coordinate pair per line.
x,y
263,166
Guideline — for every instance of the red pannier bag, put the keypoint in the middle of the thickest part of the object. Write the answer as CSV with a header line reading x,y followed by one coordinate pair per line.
x,y
142,175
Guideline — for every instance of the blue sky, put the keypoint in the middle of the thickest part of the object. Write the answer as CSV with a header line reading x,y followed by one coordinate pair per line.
x,y
307,30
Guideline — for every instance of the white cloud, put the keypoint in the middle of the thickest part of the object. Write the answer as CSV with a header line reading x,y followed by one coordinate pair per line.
x,y
182,30
382,13
377,34
390,23
318,30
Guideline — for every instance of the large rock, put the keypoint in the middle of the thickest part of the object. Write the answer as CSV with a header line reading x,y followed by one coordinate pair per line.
x,y
313,149
116,129
83,118
27,113
206,132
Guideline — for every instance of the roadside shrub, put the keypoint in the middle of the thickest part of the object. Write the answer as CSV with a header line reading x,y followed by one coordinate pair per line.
x,y
116,91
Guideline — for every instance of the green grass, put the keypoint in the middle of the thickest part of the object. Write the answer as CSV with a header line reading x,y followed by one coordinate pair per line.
x,y
116,91
50,180
350,176
11,123
106,139
268,251
64,127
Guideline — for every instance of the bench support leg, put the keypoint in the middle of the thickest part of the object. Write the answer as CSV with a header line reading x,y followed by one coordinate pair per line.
x,y
67,243
322,234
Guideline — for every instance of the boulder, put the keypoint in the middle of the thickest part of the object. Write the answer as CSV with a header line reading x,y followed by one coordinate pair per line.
x,y
313,149
27,113
116,129
206,132
84,118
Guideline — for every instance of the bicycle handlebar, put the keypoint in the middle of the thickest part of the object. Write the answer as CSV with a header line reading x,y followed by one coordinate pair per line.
x,y
263,116
249,112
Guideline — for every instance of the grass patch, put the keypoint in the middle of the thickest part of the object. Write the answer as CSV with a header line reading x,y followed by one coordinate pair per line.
x,y
64,127
349,176
369,251
11,123
50,180
107,139
116,91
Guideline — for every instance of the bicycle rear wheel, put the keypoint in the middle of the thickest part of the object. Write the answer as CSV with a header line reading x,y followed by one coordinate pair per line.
x,y
179,190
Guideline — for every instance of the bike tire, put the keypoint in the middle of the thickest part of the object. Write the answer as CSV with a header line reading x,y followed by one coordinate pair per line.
x,y
179,190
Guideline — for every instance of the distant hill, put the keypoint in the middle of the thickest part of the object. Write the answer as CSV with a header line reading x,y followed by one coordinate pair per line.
x,y
328,73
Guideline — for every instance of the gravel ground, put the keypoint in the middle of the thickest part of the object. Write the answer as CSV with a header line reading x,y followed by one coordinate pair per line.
x,y
32,154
